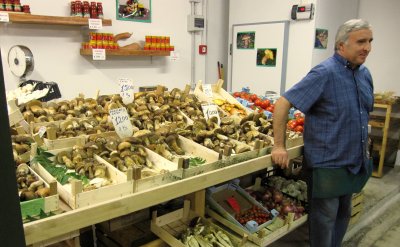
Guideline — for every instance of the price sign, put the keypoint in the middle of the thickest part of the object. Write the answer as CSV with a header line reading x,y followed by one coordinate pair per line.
x,y
25,125
95,24
121,122
99,54
41,131
210,110
126,90
208,90
4,17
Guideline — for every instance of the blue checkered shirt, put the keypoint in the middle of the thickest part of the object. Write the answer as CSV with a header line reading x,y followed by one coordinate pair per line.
x,y
336,101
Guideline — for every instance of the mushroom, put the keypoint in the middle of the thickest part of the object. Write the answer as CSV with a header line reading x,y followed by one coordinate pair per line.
x,y
64,157
143,134
35,106
171,140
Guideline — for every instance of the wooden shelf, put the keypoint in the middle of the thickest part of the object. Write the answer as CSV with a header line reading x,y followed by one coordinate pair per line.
x,y
52,20
57,225
376,124
126,52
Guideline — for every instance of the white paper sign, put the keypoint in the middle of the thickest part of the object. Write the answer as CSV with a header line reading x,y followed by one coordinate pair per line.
x,y
121,122
126,90
210,110
25,126
95,24
4,17
99,54
41,131
208,90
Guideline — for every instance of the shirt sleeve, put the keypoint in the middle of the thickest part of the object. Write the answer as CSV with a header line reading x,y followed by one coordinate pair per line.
x,y
306,92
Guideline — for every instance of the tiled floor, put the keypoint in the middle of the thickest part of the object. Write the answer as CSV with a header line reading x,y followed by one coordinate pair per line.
x,y
379,225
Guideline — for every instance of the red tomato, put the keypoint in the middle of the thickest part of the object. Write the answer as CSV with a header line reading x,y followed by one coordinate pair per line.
x,y
300,121
243,95
292,124
265,103
236,94
258,102
270,108
299,128
253,97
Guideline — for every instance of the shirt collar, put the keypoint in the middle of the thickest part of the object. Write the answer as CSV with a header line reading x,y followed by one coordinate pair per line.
x,y
344,62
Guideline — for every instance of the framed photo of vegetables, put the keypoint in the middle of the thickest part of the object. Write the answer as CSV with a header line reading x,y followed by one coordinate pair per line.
x,y
134,10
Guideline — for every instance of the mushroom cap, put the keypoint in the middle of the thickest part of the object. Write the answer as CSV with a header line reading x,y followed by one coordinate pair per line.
x,y
142,133
124,145
34,102
132,140
62,154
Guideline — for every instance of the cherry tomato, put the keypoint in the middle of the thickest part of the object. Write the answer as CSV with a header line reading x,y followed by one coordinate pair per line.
x,y
253,97
258,102
299,128
236,94
265,103
270,108
300,121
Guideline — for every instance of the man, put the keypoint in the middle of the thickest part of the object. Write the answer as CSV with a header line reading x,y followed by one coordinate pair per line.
x,y
336,96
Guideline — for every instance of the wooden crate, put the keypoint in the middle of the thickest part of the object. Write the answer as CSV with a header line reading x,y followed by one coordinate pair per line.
x,y
172,174
47,204
170,226
294,142
14,114
73,193
70,239
124,221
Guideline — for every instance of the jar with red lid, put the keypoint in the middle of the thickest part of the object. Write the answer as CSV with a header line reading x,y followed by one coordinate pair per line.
x,y
93,12
99,36
17,6
86,12
26,9
100,10
78,8
72,11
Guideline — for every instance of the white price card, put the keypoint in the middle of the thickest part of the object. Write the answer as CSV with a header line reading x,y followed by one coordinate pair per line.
x,y
41,131
126,90
99,54
25,126
4,17
121,122
95,24
208,90
210,110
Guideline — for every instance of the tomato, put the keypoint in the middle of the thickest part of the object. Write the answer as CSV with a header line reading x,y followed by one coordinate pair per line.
x,y
299,128
265,104
300,121
292,124
243,95
270,108
253,97
258,102
236,94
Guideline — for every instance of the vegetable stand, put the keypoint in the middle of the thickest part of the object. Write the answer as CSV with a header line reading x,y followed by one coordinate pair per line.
x,y
82,217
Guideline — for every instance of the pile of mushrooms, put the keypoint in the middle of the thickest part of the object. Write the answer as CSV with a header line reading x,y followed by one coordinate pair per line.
x,y
29,186
21,145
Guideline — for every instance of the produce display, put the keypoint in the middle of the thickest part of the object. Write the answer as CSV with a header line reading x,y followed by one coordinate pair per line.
x,y
29,185
204,235
255,213
21,145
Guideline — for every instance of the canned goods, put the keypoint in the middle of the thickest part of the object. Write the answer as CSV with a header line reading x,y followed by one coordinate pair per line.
x,y
153,39
99,36
99,44
92,44
92,36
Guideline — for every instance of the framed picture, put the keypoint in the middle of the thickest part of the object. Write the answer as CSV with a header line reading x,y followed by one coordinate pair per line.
x,y
245,40
134,10
266,57
321,38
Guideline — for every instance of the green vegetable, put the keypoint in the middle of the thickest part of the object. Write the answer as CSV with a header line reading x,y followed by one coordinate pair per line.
x,y
196,161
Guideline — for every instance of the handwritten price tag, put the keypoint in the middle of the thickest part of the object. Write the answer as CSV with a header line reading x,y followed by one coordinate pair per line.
x,y
210,110
41,131
95,24
99,54
126,90
4,17
208,90
121,122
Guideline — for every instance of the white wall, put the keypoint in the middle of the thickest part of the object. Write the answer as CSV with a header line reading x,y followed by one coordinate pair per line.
x,y
57,58
301,39
330,15
384,59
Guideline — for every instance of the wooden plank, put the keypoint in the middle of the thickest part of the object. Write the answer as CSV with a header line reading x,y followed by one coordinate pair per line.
x,y
127,52
53,20
44,229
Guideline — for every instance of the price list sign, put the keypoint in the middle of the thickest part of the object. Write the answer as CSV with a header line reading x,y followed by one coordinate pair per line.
x,y
126,90
121,122
210,110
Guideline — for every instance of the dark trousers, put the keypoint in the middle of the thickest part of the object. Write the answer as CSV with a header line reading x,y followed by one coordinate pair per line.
x,y
328,220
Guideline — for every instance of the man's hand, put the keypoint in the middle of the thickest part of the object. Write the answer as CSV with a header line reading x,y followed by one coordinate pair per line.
x,y
280,157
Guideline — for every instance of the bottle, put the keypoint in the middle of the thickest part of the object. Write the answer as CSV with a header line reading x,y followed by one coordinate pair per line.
x,y
17,6
72,12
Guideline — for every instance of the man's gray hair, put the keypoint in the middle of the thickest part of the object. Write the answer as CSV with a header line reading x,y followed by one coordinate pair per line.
x,y
349,26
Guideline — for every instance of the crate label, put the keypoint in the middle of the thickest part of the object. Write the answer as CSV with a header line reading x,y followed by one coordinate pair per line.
x,y
126,90
32,207
41,131
208,90
95,24
99,54
121,122
210,110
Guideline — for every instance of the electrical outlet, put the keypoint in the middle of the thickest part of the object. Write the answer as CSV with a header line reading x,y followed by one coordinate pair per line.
x,y
202,49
